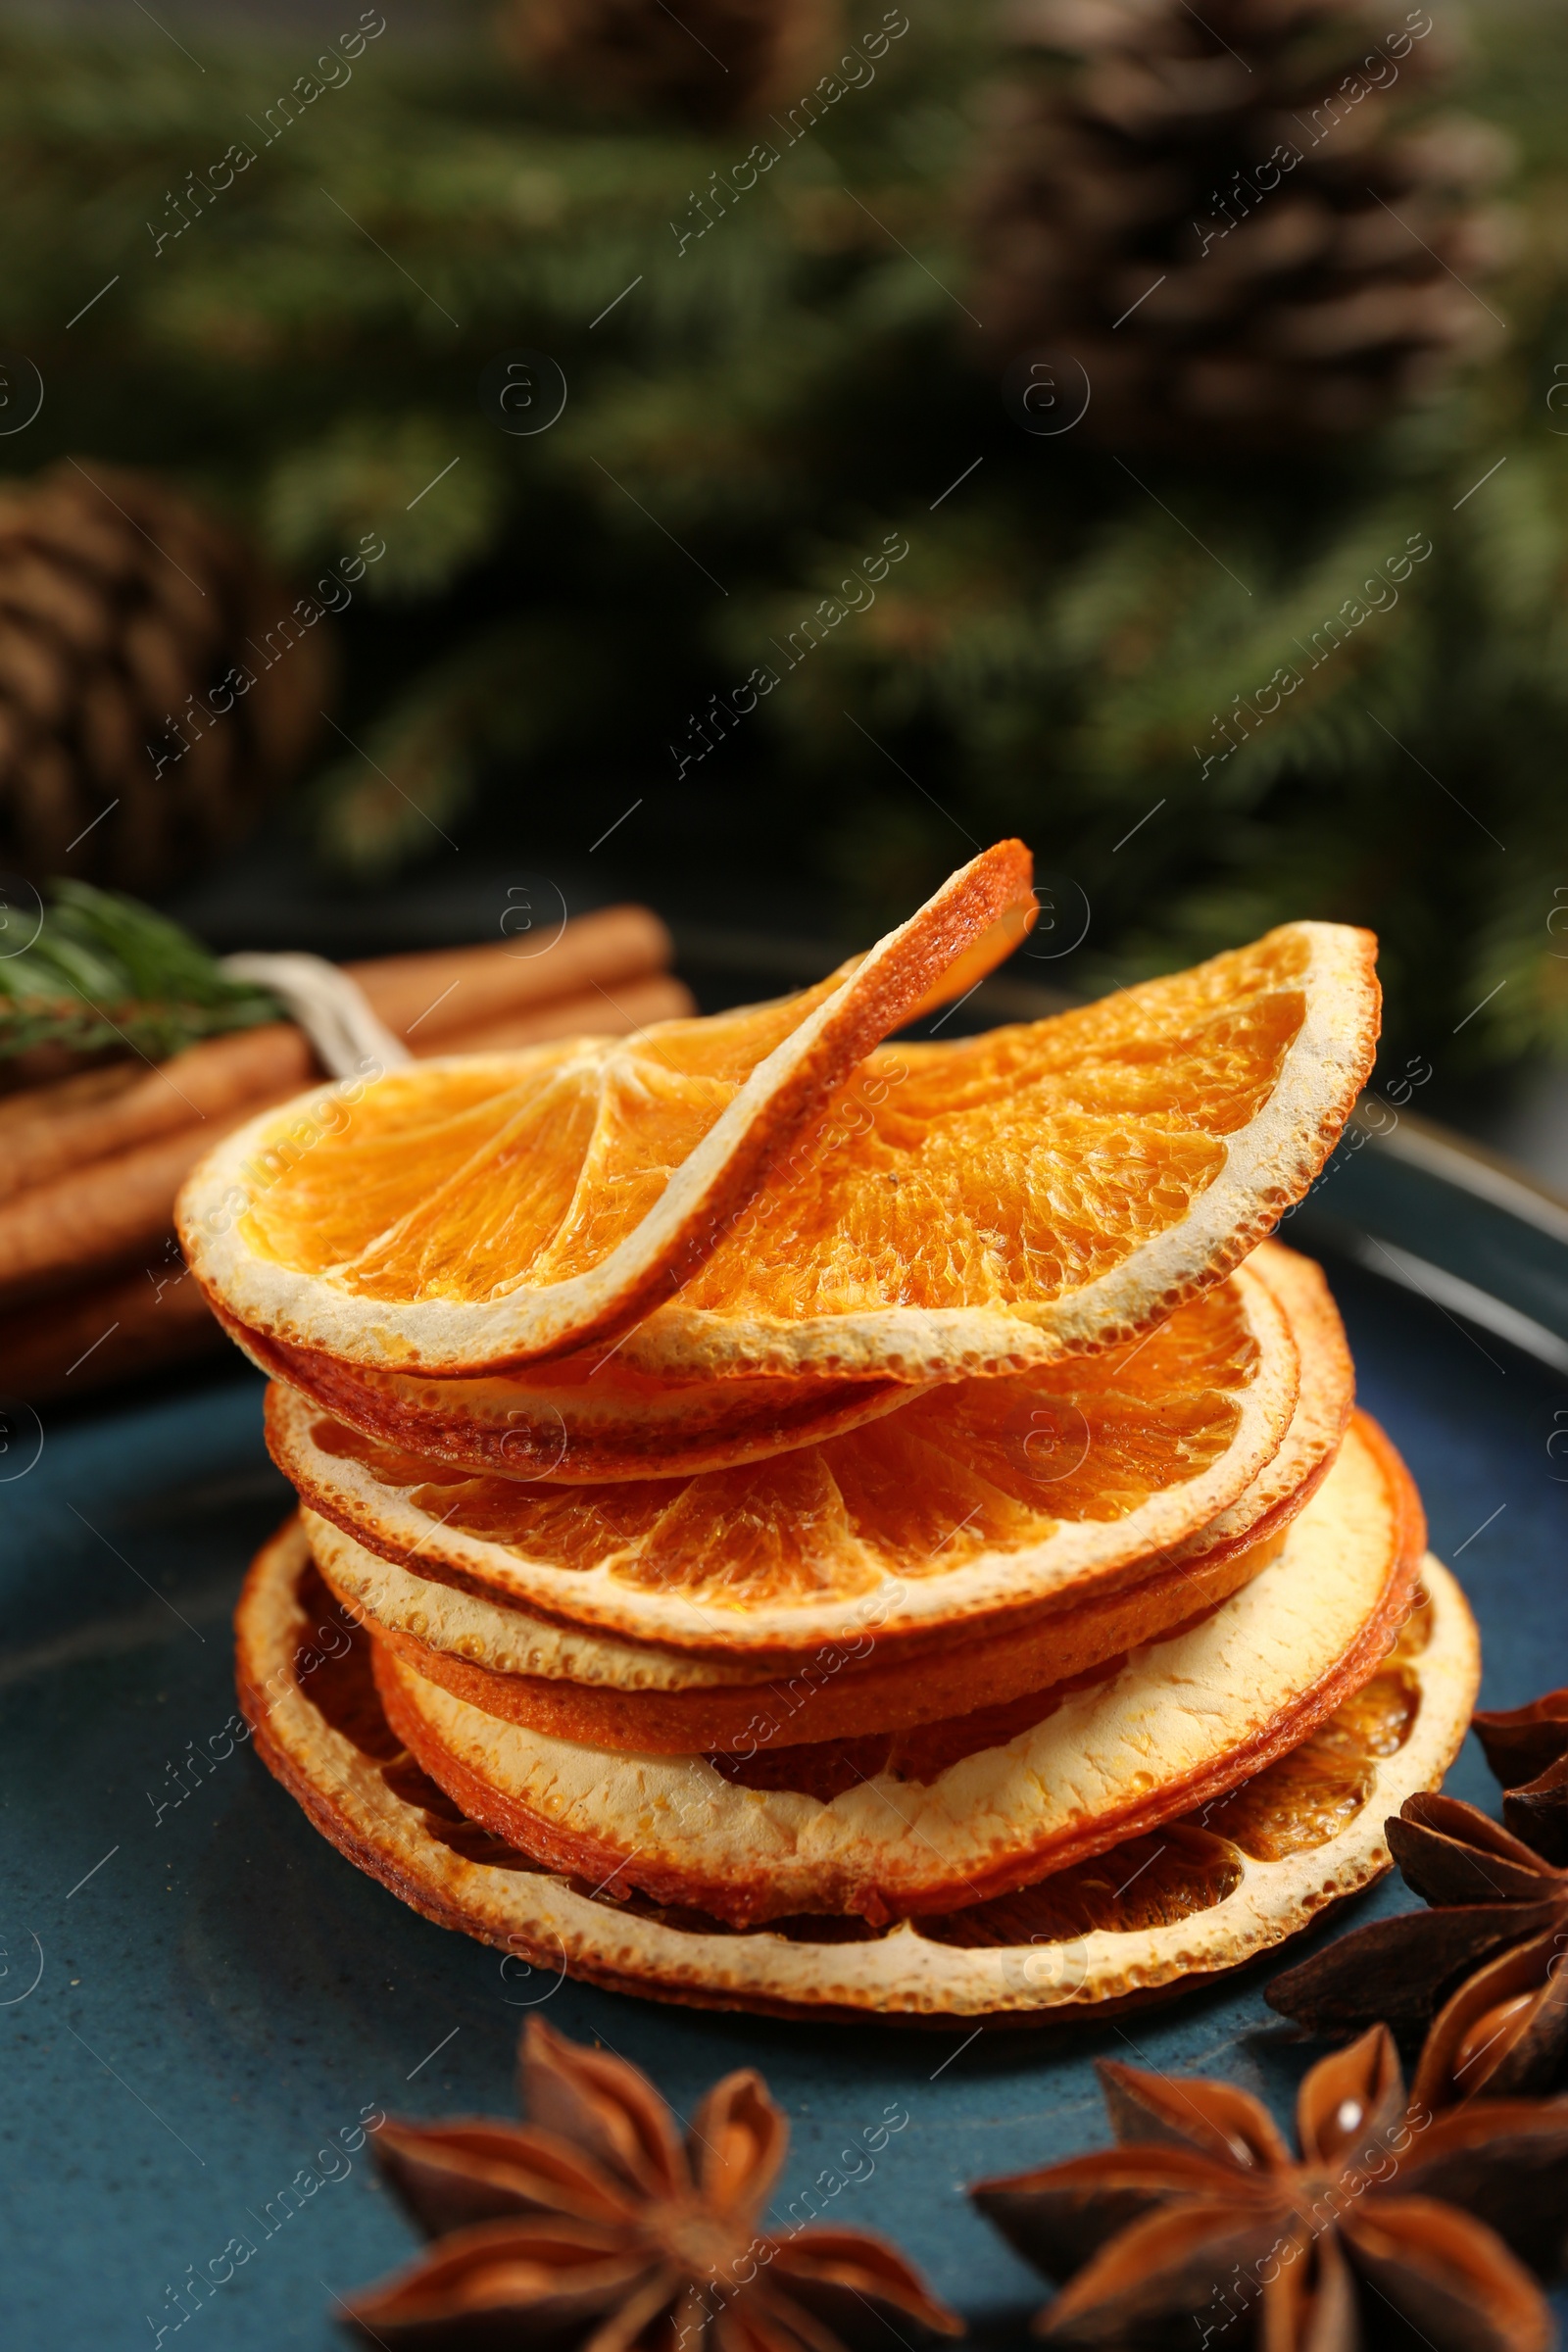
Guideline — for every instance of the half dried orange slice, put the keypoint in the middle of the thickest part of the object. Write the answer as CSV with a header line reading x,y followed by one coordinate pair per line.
x,y
579,1420
493,1210
1181,1905
612,1693
1000,1201
968,1810
982,1496
1036,1192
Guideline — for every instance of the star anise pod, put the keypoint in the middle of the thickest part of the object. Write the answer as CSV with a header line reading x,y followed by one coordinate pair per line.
x,y
595,2229
1200,2218
1527,1748
1487,1962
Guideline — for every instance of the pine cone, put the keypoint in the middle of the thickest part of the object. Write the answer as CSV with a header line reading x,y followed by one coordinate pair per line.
x,y
709,62
128,620
1215,213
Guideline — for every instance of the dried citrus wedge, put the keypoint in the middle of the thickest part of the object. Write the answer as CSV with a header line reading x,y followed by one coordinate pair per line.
x,y
1037,1192
578,1420
488,1210
983,1496
626,1694
968,1810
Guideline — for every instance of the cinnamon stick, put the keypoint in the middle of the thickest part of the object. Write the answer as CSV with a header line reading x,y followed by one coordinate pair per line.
x,y
429,1000
77,1091
50,1137
615,1011
461,989
106,1332
99,1215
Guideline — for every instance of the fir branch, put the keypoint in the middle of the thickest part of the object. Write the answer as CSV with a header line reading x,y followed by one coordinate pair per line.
x,y
107,973
1044,661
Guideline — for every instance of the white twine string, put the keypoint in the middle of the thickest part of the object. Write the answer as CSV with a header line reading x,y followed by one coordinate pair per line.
x,y
332,1010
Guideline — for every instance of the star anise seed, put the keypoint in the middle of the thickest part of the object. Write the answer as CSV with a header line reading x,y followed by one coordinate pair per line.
x,y
595,2229
1505,2030
1200,2218
1527,1748
1487,1961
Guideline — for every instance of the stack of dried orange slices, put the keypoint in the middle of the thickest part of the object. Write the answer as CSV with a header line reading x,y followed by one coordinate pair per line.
x,y
794,1523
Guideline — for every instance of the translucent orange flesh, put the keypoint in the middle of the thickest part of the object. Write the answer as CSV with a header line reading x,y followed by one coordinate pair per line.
x,y
978,1465
994,1169
1314,1792
459,1183
1143,1883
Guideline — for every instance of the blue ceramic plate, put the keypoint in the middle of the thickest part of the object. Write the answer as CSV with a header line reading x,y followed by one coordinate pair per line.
x,y
200,1997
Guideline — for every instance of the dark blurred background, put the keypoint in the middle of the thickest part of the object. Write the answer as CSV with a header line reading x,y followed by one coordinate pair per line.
x,y
741,454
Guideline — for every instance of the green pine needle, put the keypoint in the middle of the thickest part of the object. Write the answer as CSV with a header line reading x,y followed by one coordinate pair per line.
x,y
107,973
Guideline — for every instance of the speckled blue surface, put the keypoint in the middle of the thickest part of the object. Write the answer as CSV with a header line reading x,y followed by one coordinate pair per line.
x,y
225,1992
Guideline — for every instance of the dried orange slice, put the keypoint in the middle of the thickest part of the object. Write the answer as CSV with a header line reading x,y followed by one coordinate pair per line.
x,y
981,1496
965,1810
995,1202
488,1210
1177,1908
1307,1833
628,1695
613,1693
1037,1192
578,1420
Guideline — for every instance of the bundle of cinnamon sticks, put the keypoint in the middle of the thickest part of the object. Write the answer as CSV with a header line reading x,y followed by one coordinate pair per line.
x,y
92,1285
